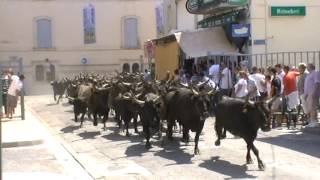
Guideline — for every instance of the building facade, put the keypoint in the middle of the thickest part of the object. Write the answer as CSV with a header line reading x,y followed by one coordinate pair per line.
x,y
75,36
176,17
285,25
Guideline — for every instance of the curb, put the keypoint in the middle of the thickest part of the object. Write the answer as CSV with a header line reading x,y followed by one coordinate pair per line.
x,y
21,143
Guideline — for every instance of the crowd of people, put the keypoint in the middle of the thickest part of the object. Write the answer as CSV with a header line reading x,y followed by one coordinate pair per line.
x,y
11,90
286,88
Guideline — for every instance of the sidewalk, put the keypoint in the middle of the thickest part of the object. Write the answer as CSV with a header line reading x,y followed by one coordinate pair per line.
x,y
30,152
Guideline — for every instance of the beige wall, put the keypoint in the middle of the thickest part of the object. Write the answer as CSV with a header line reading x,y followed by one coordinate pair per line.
x,y
285,33
17,37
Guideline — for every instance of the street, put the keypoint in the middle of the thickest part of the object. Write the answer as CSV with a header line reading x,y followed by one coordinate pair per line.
x,y
287,154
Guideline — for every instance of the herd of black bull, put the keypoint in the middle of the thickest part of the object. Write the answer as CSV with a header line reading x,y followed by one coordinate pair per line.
x,y
167,101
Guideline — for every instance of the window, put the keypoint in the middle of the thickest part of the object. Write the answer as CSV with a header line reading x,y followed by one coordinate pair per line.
x,y
131,33
39,72
126,68
135,68
44,33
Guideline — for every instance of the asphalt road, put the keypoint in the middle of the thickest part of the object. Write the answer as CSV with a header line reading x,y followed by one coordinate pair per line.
x,y
287,154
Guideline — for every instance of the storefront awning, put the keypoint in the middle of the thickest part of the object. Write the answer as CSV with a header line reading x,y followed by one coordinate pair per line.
x,y
205,41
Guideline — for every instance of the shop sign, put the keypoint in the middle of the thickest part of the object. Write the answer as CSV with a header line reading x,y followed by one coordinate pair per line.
x,y
202,6
288,10
240,30
220,20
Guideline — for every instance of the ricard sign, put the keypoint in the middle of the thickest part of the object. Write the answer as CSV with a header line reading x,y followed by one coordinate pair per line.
x,y
288,10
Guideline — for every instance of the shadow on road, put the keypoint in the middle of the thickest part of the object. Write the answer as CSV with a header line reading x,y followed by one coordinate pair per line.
x,y
226,168
136,150
117,137
173,151
89,135
69,129
51,104
66,104
69,111
304,143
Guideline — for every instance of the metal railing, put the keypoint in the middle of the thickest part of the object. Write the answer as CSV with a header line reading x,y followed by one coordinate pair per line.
x,y
269,59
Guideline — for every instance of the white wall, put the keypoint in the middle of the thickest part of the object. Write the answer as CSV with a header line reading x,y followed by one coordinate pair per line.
x,y
300,33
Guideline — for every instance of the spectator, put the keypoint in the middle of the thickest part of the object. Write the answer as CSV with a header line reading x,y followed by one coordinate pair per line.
x,y
240,88
301,81
275,91
13,92
236,74
252,88
204,78
195,77
260,82
268,85
225,82
312,94
280,74
147,75
290,88
276,101
214,72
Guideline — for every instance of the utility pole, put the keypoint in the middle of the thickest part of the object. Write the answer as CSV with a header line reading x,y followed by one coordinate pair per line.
x,y
1,115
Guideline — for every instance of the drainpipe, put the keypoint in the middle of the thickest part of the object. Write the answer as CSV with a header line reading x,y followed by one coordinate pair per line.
x,y
176,18
266,27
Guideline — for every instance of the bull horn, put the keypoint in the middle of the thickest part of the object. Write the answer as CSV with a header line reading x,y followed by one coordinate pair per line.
x,y
156,99
210,92
184,85
139,101
126,84
126,97
137,96
194,92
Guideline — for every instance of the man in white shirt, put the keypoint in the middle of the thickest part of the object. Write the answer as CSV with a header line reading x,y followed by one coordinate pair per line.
x,y
225,80
214,72
240,89
260,82
13,93
312,94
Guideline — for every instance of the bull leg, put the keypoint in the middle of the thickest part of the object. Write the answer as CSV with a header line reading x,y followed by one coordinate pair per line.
x,y
54,96
224,134
135,122
76,117
256,152
185,136
146,131
169,130
219,134
249,160
196,140
104,122
105,118
126,122
82,119
95,119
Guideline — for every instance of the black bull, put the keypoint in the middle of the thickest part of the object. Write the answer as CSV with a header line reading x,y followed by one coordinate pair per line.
x,y
190,109
241,118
